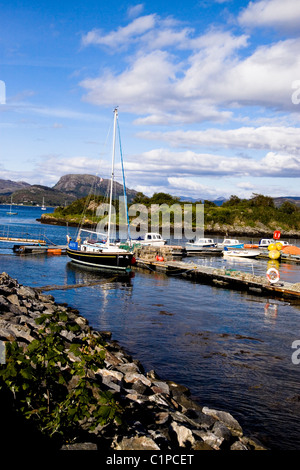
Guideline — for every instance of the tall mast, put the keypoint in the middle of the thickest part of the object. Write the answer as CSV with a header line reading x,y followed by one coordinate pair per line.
x,y
112,173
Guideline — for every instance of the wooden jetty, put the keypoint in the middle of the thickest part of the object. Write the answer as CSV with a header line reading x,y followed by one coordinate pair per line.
x,y
226,278
23,240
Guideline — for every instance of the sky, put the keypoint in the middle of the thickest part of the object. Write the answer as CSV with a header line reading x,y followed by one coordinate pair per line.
x,y
208,94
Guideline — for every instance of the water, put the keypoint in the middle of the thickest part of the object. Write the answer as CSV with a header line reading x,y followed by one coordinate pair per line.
x,y
233,350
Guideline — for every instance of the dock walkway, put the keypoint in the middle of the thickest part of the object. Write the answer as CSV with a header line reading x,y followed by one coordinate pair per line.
x,y
225,278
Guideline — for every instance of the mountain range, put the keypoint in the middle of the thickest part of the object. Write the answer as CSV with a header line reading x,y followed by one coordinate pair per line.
x,y
66,190
74,186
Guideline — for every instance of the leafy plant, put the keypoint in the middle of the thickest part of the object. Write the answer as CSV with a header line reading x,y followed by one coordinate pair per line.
x,y
57,387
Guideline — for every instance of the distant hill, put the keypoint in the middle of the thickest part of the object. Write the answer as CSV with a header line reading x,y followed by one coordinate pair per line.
x,y
278,201
7,187
34,194
64,192
79,186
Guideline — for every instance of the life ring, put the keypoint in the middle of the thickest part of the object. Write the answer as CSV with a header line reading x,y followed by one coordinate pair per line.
x,y
273,275
159,258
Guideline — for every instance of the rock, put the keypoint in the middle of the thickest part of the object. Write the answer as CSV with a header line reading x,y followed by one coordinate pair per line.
x,y
184,434
226,418
210,439
18,332
80,446
136,443
14,299
27,292
220,430
238,445
133,377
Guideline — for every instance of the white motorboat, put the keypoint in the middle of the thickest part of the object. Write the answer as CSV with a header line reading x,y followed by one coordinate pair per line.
x,y
242,253
265,242
151,238
230,243
199,245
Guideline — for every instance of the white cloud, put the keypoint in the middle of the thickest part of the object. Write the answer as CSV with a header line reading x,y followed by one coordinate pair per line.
x,y
122,35
135,10
276,138
205,77
275,13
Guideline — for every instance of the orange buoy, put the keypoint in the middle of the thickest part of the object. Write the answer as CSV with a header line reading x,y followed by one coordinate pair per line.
x,y
54,251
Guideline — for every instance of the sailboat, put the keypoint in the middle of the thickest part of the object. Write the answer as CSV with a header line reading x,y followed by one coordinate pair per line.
x,y
95,249
10,212
43,206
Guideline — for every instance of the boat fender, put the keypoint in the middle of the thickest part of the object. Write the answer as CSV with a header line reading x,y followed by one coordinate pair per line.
x,y
133,260
273,275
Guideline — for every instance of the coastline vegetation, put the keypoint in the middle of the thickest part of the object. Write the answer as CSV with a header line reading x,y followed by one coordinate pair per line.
x,y
254,212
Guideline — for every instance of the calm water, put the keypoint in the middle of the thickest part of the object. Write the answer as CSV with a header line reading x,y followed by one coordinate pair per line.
x,y
233,350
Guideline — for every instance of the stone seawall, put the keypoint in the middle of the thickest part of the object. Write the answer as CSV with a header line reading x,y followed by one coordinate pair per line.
x,y
158,415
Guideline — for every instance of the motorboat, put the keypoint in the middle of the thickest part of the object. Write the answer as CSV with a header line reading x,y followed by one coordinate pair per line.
x,y
265,242
151,238
199,245
230,243
241,253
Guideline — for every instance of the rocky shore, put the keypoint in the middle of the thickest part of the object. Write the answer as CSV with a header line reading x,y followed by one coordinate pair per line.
x,y
157,415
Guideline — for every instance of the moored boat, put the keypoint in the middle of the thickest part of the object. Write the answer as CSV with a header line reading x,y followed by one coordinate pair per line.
x,y
94,249
151,238
242,253
230,243
199,245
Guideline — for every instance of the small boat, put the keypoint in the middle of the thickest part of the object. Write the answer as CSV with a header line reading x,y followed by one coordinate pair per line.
x,y
95,249
199,245
11,212
265,242
241,253
151,238
230,243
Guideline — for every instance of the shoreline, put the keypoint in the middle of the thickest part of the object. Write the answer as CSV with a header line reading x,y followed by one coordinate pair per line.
x,y
158,415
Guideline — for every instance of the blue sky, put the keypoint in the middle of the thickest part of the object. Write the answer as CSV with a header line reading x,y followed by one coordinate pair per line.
x,y
208,93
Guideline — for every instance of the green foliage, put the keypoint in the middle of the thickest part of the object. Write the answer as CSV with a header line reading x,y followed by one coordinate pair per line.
x,y
40,378
258,208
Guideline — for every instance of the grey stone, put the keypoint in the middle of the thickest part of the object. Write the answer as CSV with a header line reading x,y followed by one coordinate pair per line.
x,y
184,434
226,418
137,443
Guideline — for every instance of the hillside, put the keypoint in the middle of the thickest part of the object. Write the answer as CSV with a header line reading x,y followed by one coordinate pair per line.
x,y
34,194
64,192
79,186
255,217
7,187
